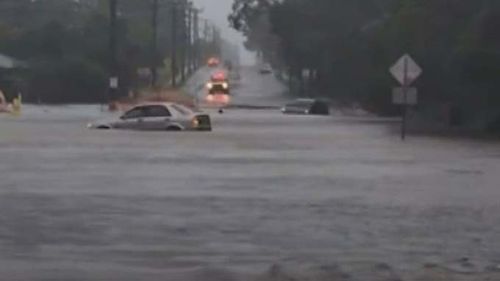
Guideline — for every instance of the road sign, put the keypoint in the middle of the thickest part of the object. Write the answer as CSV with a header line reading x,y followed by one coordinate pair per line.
x,y
144,72
406,70
400,97
113,82
306,73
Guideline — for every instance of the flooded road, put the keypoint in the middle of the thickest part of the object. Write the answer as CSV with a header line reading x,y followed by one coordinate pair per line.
x,y
263,197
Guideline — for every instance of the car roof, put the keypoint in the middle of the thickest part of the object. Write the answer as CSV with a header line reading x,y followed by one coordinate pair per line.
x,y
167,104
309,100
301,101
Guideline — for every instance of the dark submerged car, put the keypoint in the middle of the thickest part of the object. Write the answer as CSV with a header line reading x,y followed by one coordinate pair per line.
x,y
307,107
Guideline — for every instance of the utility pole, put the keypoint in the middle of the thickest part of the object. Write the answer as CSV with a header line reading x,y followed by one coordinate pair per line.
x,y
113,82
189,57
214,39
173,54
206,34
154,43
196,39
183,43
406,84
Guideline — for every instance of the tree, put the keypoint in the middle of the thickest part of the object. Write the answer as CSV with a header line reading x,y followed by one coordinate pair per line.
x,y
349,45
65,44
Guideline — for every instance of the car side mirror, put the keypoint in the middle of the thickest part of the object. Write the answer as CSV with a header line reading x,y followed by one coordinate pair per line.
x,y
122,117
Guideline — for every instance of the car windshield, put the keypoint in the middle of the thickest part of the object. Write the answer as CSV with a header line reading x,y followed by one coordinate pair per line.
x,y
250,140
182,109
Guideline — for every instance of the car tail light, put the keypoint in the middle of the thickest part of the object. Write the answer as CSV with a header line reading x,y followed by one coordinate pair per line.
x,y
195,122
210,98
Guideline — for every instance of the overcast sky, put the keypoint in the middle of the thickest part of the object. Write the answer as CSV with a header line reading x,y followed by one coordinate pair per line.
x,y
217,11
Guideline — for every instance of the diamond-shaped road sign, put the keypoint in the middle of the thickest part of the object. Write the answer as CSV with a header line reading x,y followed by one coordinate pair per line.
x,y
406,70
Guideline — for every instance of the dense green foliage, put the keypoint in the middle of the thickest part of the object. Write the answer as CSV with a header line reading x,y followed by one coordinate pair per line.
x,y
348,46
64,44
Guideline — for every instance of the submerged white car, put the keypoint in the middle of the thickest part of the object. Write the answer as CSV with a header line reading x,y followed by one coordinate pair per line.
x,y
158,117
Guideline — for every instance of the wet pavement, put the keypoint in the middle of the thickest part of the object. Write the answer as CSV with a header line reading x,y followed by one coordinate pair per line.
x,y
263,197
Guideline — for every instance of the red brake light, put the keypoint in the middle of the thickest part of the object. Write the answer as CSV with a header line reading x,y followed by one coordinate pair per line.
x,y
219,76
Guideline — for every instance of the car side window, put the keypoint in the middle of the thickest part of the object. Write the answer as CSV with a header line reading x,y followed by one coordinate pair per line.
x,y
134,113
157,111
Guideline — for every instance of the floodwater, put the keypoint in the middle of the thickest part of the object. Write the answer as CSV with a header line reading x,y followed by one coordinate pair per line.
x,y
262,197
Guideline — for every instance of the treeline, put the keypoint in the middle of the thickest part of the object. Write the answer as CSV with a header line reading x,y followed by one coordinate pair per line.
x,y
347,46
64,47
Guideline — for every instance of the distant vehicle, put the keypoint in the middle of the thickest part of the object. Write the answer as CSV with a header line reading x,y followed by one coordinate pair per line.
x,y
266,69
213,62
218,76
307,107
218,89
158,117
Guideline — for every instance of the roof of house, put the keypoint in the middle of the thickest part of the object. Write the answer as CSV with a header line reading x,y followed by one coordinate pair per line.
x,y
7,62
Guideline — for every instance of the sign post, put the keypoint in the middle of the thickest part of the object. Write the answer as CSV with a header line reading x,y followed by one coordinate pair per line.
x,y
405,98
406,71
399,99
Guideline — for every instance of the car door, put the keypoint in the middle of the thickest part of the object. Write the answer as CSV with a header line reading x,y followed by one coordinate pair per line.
x,y
157,117
132,119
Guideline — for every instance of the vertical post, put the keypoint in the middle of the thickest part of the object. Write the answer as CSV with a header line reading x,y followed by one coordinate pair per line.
x,y
206,32
173,54
405,99
196,38
183,50
113,60
214,40
154,43
189,57
302,89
